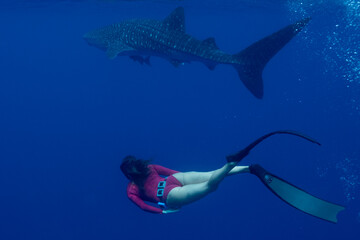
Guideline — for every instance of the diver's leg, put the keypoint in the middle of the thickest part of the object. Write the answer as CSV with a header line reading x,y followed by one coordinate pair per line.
x,y
186,194
239,169
186,178
218,175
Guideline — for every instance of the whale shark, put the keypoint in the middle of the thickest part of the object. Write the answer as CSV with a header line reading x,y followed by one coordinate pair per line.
x,y
141,38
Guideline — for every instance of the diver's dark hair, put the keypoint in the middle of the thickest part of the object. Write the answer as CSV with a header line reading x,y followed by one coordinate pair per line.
x,y
135,170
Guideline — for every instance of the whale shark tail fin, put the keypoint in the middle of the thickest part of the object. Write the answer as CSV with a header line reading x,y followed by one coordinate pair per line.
x,y
252,60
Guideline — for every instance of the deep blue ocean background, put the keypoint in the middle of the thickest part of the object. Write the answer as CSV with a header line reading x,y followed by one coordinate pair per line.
x,y
68,115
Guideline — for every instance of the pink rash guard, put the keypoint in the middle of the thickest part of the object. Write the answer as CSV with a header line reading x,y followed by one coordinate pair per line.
x,y
150,188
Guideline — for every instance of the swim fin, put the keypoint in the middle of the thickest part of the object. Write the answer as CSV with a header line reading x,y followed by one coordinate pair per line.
x,y
237,157
297,197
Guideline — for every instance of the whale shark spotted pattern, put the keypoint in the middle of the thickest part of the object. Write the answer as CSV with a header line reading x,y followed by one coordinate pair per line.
x,y
142,38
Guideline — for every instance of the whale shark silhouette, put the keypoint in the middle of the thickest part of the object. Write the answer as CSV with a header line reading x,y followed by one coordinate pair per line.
x,y
142,38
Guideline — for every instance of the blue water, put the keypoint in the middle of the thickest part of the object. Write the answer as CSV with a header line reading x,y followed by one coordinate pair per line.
x,y
68,115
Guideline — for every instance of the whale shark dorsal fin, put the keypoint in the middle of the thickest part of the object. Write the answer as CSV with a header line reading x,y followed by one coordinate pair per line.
x,y
211,43
176,20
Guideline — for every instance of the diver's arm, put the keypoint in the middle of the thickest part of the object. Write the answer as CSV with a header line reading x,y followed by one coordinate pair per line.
x,y
167,211
141,204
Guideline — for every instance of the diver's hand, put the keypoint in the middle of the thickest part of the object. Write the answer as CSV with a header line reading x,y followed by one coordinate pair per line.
x,y
170,211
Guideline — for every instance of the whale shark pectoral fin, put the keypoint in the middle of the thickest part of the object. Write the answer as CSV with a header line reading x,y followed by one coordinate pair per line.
x,y
175,21
111,53
176,62
117,48
210,66
141,59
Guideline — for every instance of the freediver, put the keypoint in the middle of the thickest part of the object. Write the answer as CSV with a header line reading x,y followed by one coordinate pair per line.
x,y
171,189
